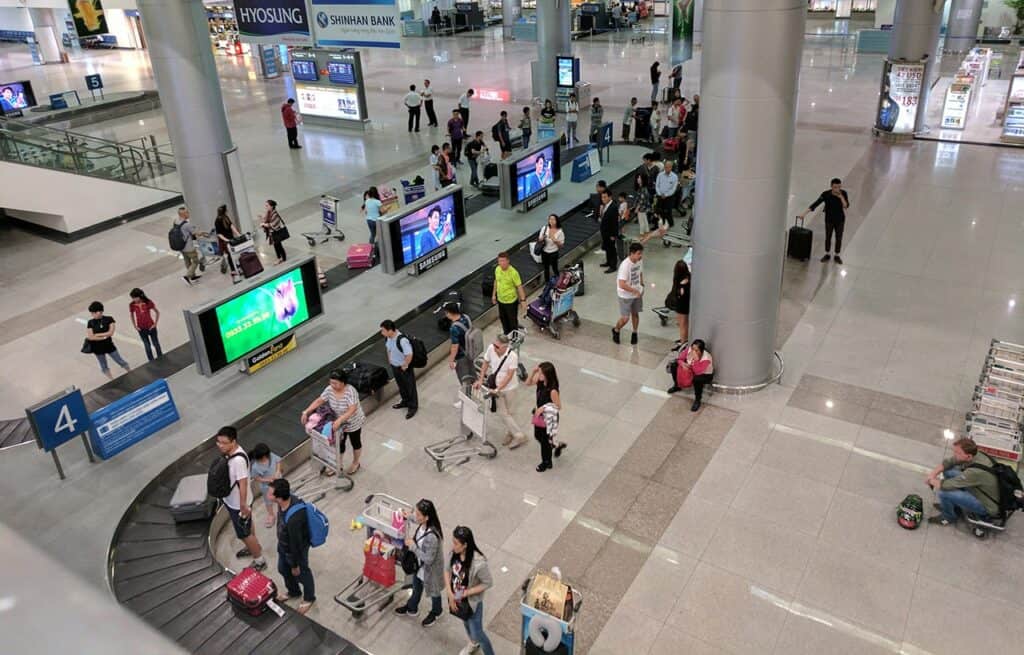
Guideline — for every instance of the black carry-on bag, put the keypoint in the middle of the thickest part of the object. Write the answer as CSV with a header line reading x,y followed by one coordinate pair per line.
x,y
799,242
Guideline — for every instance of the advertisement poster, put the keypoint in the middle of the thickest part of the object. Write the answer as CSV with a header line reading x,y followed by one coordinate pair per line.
x,y
427,230
900,94
329,102
357,23
682,30
88,17
262,314
269,22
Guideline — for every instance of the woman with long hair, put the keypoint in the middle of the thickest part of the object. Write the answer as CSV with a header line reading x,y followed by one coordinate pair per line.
x,y
145,316
693,367
466,578
546,413
275,229
372,211
553,238
426,543
225,230
680,295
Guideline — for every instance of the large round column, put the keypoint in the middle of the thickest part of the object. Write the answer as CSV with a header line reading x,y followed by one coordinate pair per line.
x,y
749,73
46,28
554,38
915,36
186,77
510,12
962,28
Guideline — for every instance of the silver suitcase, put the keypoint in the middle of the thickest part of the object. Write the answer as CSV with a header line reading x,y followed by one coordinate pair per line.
x,y
190,501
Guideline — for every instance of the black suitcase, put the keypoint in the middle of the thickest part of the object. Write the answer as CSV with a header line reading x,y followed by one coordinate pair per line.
x,y
799,243
490,170
366,378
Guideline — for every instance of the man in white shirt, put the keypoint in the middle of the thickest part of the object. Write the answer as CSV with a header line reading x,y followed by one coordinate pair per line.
x,y
413,101
428,103
630,289
464,107
665,187
237,502
503,365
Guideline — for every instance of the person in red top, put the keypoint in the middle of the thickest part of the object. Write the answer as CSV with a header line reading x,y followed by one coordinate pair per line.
x,y
694,367
145,316
291,122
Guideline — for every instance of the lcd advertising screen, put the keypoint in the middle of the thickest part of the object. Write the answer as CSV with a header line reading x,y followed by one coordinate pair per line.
x,y
341,73
305,70
329,102
566,66
15,96
428,229
536,172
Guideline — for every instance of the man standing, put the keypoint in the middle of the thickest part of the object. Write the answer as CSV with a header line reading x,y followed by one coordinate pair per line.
x,y
291,121
428,103
836,203
412,102
237,501
293,545
464,107
189,253
474,149
630,288
665,186
503,364
399,349
655,81
508,293
965,483
608,215
461,325
457,134
500,133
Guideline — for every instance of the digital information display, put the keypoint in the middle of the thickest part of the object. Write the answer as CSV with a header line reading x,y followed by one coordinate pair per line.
x,y
535,173
341,73
305,70
565,72
329,102
15,96
425,230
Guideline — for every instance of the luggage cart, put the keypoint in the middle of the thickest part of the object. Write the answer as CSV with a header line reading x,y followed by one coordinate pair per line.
x,y
238,247
473,411
326,452
209,252
516,338
363,593
329,223
551,632
562,311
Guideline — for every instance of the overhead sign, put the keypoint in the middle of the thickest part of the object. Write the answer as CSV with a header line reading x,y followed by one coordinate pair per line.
x,y
125,422
357,23
900,96
270,22
88,17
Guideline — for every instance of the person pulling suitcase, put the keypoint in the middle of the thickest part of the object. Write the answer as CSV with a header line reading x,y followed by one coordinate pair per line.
x,y
836,202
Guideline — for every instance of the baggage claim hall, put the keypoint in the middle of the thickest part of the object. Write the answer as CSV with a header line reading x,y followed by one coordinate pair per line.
x,y
511,327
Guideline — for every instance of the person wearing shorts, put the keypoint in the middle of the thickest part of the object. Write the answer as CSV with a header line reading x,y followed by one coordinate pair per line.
x,y
237,501
630,290
344,400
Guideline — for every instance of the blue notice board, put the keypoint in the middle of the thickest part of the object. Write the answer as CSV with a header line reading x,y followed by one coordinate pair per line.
x,y
59,419
125,422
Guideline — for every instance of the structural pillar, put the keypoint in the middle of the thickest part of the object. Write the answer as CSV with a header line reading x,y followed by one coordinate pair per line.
x,y
962,28
186,77
749,75
47,31
554,37
698,23
915,37
510,12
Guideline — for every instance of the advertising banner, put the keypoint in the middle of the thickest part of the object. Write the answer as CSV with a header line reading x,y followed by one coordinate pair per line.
x,y
126,422
329,101
88,17
357,23
270,22
900,96
682,30
270,353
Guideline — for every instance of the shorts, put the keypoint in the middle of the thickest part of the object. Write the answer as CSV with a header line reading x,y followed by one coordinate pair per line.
x,y
506,150
630,306
355,437
243,527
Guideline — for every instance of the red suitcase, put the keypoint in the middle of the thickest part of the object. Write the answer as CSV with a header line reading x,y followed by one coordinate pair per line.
x,y
671,144
250,591
360,255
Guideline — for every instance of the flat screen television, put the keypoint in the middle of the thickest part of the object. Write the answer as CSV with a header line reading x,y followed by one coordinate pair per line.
x,y
15,96
305,70
425,227
228,329
536,172
339,72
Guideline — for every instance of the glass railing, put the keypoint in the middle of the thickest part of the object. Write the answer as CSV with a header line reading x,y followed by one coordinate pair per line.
x,y
143,162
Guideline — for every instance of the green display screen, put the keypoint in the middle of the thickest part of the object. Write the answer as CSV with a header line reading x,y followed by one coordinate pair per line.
x,y
262,314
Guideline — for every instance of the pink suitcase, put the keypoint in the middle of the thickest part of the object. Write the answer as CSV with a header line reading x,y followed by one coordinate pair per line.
x,y
360,255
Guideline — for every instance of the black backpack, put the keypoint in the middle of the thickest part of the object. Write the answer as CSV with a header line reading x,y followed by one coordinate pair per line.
x,y
496,131
1010,489
419,351
176,238
218,480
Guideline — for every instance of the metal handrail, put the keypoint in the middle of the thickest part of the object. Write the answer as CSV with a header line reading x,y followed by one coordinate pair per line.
x,y
750,388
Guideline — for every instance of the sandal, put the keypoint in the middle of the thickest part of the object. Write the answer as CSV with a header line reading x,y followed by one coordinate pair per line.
x,y
304,607
354,469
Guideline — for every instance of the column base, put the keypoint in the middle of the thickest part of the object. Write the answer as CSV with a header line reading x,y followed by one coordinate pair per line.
x,y
889,137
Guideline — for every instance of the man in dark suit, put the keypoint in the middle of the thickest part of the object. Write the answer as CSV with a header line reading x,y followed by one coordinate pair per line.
x,y
608,214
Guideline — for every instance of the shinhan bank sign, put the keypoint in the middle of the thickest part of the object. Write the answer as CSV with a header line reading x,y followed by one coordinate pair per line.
x,y
271,22
357,23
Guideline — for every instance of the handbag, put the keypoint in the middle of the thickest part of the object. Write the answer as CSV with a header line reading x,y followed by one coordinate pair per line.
x,y
672,300
538,246
87,347
538,421
281,235
462,610
378,567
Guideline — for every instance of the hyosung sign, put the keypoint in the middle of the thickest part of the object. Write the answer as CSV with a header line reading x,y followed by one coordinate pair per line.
x,y
270,22
357,23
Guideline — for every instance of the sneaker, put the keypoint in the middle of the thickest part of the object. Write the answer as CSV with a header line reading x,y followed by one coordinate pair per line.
x,y
517,441
457,404
615,335
243,553
187,281
695,406
543,466
404,611
632,339
673,389
826,257
507,440
938,520
559,448
258,565
469,648
839,260
429,621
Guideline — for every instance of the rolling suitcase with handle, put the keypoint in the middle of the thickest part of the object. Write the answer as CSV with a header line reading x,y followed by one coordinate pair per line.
x,y
190,501
799,241
366,378
360,255
539,312
250,265
251,591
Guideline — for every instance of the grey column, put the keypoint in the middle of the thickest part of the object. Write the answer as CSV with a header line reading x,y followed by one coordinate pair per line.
x,y
698,23
186,77
915,36
554,38
749,74
47,29
510,12
962,28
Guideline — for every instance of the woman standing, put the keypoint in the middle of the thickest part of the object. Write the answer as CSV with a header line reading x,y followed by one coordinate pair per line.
x,y
572,116
426,543
553,238
145,316
275,229
99,332
372,211
344,400
467,577
546,413
225,230
596,116
680,297
526,125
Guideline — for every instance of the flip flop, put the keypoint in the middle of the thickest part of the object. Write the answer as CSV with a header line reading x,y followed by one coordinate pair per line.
x,y
303,607
355,469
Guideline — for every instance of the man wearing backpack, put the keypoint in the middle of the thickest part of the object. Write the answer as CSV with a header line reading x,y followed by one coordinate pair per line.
x,y
229,481
182,238
400,355
459,359
293,542
966,482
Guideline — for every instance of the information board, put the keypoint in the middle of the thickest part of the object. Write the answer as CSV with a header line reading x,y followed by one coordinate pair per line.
x,y
899,97
125,422
340,72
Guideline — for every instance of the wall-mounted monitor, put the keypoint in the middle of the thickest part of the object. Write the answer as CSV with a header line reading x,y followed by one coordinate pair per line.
x,y
270,306
340,72
423,229
15,96
530,173
305,70
567,71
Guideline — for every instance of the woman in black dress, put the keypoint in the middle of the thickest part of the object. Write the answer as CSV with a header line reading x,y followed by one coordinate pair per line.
x,y
681,291
546,413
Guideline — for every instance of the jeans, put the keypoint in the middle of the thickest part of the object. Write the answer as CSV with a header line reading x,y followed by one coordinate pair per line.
x,y
550,262
191,258
417,592
148,337
475,629
464,368
116,356
950,501
526,138
474,178
292,582
570,133
406,381
654,92
371,224
834,225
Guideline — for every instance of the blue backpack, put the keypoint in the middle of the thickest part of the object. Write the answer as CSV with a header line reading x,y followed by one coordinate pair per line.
x,y
319,526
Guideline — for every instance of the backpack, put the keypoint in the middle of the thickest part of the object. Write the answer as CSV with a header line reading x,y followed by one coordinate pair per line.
x,y
1010,489
419,351
319,526
910,512
473,342
496,131
218,480
176,238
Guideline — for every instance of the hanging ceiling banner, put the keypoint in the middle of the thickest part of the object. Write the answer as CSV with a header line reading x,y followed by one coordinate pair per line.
x,y
357,23
272,22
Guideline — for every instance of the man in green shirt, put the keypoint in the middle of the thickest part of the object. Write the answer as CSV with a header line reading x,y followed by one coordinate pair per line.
x,y
962,483
508,293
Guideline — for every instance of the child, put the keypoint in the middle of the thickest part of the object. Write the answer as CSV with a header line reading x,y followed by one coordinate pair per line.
x,y
266,467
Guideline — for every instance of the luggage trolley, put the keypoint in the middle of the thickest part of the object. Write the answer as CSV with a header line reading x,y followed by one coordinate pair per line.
x,y
326,451
473,411
543,633
378,517
329,219
516,338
